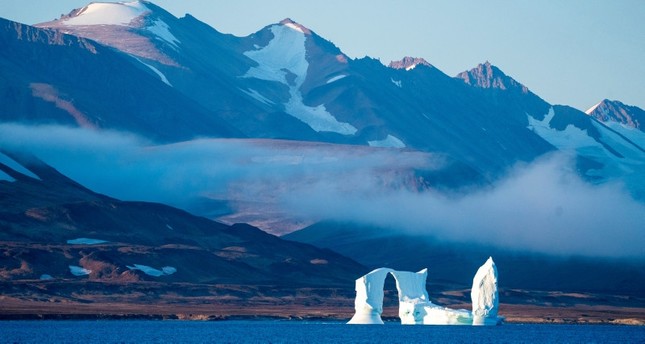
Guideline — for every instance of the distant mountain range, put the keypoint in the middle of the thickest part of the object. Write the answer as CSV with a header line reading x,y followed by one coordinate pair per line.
x,y
133,67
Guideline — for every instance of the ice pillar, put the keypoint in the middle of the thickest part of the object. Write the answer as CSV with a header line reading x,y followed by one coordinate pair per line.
x,y
484,295
369,297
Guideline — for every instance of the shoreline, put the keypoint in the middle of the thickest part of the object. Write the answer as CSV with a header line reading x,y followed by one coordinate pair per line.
x,y
514,314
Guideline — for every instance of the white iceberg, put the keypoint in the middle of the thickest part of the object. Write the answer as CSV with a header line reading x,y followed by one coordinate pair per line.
x,y
484,295
369,297
414,304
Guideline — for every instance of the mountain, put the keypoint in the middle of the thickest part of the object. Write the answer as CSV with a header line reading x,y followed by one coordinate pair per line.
x,y
609,111
52,77
449,263
55,229
624,119
281,129
287,82
134,67
409,63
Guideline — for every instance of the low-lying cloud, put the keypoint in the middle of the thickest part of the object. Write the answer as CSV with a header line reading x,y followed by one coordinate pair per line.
x,y
542,207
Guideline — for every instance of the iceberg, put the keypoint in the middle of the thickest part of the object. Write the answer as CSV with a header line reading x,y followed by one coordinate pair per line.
x,y
369,297
484,295
415,307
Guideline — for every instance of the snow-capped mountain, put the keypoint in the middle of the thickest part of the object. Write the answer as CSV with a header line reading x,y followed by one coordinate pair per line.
x,y
133,66
52,77
609,111
408,63
624,119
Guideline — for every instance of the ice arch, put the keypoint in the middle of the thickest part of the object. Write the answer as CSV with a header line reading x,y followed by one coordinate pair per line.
x,y
414,304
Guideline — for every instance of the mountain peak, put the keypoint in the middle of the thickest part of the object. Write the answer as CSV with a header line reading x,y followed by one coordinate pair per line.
x,y
137,27
487,75
106,13
616,111
288,22
409,63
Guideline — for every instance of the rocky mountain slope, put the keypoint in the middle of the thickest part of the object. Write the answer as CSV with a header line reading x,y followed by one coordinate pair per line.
x,y
55,229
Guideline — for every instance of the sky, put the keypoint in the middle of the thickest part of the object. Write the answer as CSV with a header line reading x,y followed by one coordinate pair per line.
x,y
573,52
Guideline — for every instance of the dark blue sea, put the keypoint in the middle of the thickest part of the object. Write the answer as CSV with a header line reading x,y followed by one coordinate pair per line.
x,y
128,331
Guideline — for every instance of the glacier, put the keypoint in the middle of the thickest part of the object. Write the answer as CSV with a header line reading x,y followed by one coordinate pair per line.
x,y
415,307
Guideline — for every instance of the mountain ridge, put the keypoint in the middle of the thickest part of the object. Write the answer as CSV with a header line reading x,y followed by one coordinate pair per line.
x,y
284,83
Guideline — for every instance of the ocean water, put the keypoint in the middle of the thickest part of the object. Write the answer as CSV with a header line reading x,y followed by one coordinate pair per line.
x,y
129,331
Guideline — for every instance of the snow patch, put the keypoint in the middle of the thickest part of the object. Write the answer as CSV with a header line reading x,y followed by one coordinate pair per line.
x,y
150,271
160,29
46,277
286,54
398,83
591,109
293,26
411,67
336,78
571,138
108,13
79,271
389,142
257,96
4,176
85,241
316,117
158,72
633,134
630,167
168,270
16,166
286,51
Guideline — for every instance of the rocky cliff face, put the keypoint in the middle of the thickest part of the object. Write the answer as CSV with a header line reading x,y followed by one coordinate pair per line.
x,y
613,111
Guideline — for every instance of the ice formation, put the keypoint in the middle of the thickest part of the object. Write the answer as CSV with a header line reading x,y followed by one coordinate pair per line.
x,y
414,304
484,295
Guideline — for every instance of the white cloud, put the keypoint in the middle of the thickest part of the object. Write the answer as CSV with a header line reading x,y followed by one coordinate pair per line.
x,y
542,207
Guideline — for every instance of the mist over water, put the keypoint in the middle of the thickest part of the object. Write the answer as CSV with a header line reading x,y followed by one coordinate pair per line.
x,y
543,206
